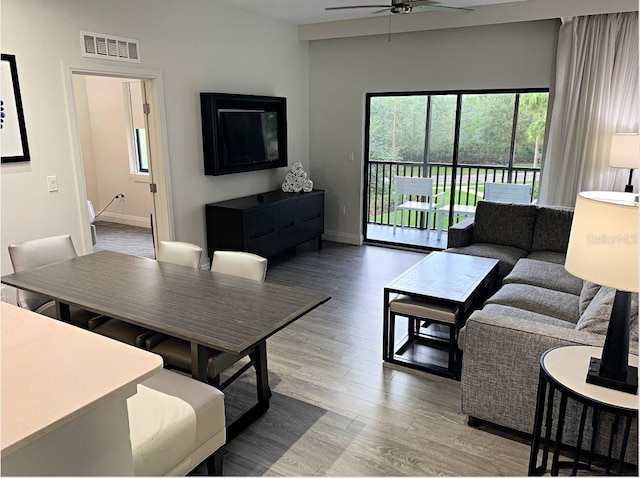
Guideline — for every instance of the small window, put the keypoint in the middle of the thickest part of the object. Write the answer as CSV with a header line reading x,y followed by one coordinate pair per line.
x,y
142,158
136,132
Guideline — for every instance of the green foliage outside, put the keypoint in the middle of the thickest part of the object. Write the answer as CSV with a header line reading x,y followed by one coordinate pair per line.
x,y
398,133
398,128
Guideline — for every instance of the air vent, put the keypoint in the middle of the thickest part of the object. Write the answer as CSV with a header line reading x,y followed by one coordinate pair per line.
x,y
109,47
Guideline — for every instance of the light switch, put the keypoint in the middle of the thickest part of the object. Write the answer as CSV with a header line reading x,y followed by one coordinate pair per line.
x,y
52,183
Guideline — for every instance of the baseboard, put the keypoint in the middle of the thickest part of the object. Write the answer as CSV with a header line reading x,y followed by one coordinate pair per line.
x,y
343,237
124,219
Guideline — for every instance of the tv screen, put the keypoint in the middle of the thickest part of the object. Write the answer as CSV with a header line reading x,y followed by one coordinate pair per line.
x,y
243,132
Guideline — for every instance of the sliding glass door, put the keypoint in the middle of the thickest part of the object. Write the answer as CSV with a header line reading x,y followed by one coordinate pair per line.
x,y
462,139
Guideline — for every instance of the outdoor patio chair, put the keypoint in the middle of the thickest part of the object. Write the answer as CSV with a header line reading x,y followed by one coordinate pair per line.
x,y
507,193
405,187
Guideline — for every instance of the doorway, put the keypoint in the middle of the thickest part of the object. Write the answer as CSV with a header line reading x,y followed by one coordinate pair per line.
x,y
120,160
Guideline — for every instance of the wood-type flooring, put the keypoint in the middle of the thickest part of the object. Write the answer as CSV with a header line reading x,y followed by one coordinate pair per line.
x,y
337,409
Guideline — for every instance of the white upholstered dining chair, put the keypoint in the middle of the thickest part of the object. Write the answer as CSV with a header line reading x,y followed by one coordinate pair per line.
x,y
177,352
179,253
41,252
240,264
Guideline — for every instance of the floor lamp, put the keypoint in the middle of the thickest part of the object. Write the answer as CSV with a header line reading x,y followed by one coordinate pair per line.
x,y
603,248
625,154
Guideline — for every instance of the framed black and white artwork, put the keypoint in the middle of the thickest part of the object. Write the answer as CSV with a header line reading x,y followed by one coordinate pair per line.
x,y
13,132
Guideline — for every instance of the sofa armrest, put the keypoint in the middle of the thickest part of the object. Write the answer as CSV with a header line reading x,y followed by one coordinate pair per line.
x,y
459,235
501,365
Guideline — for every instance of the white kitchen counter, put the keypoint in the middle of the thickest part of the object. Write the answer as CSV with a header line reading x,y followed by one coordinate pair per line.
x,y
64,393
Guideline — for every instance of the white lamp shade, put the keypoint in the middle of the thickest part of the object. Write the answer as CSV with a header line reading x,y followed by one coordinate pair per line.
x,y
625,151
603,245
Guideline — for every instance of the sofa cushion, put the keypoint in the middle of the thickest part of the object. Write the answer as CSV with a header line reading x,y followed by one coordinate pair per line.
x,y
552,229
553,303
526,315
544,274
587,293
504,224
508,256
548,256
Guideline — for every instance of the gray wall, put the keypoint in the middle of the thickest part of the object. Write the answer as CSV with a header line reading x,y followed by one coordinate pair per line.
x,y
342,71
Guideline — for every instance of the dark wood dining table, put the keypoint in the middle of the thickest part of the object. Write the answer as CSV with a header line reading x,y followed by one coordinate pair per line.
x,y
212,311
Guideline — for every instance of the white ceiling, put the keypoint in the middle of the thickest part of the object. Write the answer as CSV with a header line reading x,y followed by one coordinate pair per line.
x,y
315,23
304,12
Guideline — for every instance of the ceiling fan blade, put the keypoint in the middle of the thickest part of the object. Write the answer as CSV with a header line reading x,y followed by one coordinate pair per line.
x,y
357,6
442,8
418,3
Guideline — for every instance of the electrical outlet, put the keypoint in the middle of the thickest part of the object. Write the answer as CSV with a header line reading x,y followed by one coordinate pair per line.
x,y
120,196
343,210
352,157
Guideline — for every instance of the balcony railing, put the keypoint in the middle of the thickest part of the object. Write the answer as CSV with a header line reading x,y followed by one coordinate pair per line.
x,y
469,188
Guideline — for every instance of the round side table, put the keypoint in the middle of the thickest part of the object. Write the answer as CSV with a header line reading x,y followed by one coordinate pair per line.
x,y
564,369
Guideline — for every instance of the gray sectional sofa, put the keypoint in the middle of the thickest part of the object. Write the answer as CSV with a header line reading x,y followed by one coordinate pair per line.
x,y
509,232
538,306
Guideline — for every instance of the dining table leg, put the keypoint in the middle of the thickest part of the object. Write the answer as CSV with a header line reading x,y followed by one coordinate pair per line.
x,y
259,359
63,312
199,359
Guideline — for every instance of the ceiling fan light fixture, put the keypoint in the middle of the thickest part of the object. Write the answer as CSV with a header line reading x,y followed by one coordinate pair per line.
x,y
405,7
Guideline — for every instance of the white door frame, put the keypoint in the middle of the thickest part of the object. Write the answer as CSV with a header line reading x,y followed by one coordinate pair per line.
x,y
152,79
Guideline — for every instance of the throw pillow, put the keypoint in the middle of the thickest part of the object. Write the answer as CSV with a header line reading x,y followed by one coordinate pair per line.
x,y
595,318
504,224
588,292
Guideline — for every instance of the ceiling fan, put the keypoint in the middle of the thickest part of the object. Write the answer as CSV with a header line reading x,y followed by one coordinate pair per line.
x,y
405,6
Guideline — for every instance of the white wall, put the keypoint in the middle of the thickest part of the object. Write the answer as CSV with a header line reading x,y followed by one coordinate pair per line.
x,y
109,122
342,71
83,117
198,45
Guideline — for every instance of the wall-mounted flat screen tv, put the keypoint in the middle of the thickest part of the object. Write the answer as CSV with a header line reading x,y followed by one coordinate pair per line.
x,y
243,132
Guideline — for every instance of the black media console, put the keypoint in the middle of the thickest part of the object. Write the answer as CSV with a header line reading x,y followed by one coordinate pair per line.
x,y
266,223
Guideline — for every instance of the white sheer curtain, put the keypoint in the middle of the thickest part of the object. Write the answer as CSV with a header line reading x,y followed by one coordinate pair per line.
x,y
596,95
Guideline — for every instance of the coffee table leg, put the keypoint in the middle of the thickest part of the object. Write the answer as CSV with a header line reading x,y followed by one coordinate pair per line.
x,y
385,326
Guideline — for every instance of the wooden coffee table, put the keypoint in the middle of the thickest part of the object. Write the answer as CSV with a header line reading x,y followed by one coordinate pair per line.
x,y
443,288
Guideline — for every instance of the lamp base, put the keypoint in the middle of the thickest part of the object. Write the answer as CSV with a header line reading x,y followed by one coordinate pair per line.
x,y
629,385
628,188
